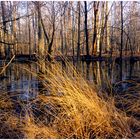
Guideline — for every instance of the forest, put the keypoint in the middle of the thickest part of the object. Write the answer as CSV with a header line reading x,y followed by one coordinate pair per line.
x,y
69,69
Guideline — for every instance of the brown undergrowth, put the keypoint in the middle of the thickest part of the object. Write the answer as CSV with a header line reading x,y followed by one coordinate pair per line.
x,y
70,108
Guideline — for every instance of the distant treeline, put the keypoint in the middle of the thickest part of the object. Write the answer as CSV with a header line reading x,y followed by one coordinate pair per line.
x,y
69,28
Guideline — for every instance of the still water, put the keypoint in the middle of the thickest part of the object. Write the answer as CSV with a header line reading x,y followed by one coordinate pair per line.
x,y
21,87
18,81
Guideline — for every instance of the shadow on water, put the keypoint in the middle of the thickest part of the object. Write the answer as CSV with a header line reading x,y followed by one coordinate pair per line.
x,y
16,80
23,86
106,73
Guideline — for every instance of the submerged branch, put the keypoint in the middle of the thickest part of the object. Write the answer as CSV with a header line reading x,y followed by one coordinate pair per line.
x,y
4,68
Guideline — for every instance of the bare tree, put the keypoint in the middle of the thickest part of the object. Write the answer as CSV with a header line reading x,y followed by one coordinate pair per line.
x,y
78,41
86,28
96,8
121,30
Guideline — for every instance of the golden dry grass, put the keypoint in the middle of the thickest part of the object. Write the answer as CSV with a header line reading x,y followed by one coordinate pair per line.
x,y
73,109
79,111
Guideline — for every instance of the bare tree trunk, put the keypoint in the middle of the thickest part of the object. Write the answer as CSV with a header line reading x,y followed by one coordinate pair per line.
x,y
11,32
69,20
35,31
51,39
73,31
121,30
29,28
40,34
86,29
94,46
3,33
107,31
78,43
40,41
65,33
102,31
61,34
2,51
103,26
14,31
51,43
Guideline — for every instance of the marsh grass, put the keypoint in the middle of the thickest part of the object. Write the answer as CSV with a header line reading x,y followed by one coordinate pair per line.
x,y
74,108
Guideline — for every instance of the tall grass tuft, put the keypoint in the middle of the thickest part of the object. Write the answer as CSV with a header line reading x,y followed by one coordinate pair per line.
x,y
70,107
76,109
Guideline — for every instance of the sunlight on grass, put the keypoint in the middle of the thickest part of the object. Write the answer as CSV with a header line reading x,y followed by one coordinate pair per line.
x,y
71,108
80,112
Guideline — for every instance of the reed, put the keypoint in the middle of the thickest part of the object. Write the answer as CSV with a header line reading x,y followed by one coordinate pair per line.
x,y
72,107
77,109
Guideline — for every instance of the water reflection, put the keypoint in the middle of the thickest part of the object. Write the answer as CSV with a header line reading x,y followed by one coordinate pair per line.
x,y
24,84
20,82
106,73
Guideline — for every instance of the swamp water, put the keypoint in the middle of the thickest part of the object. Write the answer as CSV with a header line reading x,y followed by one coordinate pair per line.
x,y
16,79
21,86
